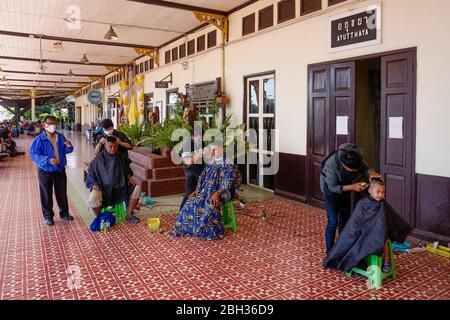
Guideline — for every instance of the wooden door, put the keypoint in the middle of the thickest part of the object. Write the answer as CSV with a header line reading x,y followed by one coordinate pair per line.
x,y
342,104
331,118
318,129
397,131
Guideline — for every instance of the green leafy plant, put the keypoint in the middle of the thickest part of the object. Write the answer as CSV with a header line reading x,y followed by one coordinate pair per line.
x,y
140,134
231,136
162,133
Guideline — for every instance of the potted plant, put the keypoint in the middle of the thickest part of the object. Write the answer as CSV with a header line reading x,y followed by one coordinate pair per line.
x,y
139,133
230,135
163,132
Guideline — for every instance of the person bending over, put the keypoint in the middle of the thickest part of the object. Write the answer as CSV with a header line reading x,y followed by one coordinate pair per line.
x,y
108,179
123,141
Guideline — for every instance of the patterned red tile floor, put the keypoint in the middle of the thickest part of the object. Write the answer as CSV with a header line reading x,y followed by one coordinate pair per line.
x,y
277,258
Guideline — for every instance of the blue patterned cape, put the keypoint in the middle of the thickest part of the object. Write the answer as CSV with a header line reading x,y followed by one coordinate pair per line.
x,y
199,217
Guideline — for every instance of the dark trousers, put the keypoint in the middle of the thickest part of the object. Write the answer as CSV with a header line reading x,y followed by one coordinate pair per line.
x,y
189,186
58,181
338,208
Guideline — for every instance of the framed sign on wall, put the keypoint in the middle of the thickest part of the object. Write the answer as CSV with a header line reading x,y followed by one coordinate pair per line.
x,y
357,28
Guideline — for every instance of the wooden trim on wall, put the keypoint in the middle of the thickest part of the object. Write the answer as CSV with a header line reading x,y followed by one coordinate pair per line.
x,y
175,54
309,6
167,57
249,24
191,47
212,39
333,2
286,10
265,17
201,43
182,51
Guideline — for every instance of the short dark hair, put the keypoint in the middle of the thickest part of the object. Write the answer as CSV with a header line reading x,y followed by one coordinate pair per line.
x,y
107,123
49,117
377,180
111,139
351,159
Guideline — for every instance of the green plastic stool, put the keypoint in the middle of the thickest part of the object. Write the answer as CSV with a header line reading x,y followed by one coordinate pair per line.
x,y
118,211
227,215
374,272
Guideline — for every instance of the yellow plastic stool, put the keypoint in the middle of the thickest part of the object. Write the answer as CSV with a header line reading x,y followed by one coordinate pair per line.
x,y
227,215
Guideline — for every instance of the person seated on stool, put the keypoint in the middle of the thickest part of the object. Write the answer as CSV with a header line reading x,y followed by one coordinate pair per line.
x,y
371,224
108,178
201,215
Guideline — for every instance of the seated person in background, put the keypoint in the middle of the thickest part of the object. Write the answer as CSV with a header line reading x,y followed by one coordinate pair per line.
x,y
371,224
108,179
4,132
9,146
201,215
122,140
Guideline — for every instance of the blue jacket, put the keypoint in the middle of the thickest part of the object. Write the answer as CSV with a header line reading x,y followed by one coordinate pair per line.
x,y
41,152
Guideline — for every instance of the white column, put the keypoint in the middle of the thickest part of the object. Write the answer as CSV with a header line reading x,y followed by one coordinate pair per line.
x,y
33,105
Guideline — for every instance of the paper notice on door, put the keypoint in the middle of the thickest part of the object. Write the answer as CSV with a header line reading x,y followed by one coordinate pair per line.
x,y
395,127
342,125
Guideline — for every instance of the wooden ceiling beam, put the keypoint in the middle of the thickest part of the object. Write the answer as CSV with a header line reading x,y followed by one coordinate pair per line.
x,y
75,40
13,86
53,74
179,6
95,64
46,81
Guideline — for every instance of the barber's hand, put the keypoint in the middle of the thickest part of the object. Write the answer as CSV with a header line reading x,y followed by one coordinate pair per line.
x,y
54,161
193,195
68,144
96,187
215,199
102,141
118,141
358,187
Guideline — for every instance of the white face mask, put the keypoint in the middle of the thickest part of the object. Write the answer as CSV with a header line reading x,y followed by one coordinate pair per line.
x,y
50,128
109,132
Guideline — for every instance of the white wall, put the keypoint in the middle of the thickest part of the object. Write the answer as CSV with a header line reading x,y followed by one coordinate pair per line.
x,y
201,67
289,51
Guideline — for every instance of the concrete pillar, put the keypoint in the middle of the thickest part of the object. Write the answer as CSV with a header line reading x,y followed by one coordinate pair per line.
x,y
33,105
17,113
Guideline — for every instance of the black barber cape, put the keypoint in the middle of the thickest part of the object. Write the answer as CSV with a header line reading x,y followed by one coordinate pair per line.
x,y
110,173
370,225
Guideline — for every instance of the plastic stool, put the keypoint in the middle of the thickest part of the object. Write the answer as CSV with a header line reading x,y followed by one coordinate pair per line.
x,y
118,211
374,272
227,213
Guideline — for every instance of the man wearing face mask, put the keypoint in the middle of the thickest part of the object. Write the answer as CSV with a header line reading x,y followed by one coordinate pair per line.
x,y
48,152
122,140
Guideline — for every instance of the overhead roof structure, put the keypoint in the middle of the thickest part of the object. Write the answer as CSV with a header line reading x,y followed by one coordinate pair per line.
x,y
42,40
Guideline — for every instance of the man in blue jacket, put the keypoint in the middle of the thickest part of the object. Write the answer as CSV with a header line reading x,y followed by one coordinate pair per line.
x,y
48,152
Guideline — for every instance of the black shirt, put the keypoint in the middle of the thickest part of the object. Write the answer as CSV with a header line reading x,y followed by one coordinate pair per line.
x,y
119,135
190,149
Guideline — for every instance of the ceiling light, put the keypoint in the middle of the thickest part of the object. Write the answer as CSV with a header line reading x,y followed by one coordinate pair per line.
x,y
4,78
61,81
70,74
58,45
84,60
111,34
